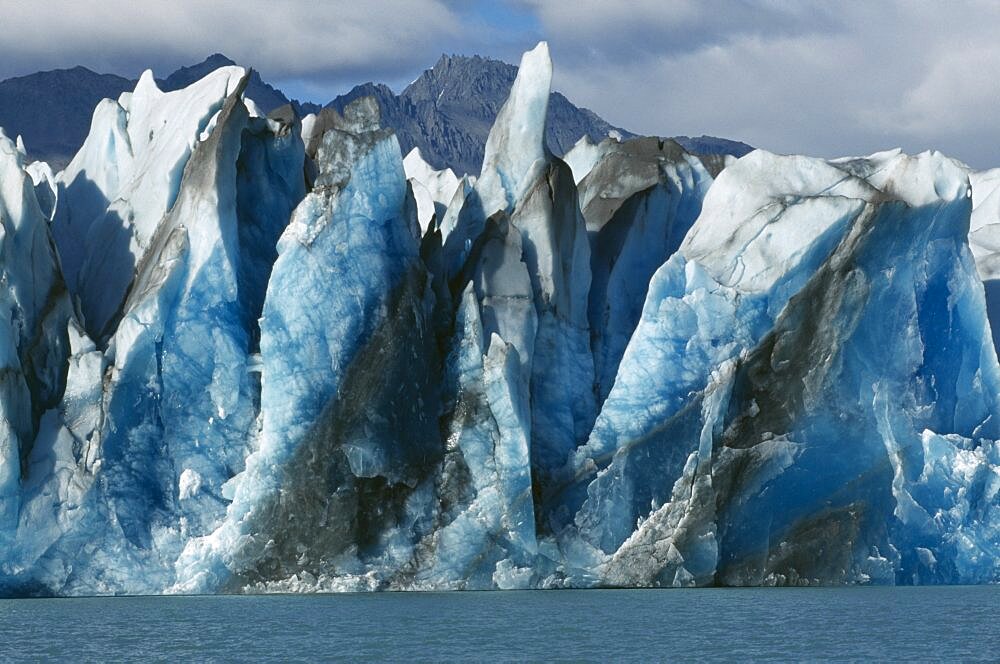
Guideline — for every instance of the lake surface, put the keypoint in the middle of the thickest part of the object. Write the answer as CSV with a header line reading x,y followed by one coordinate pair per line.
x,y
955,623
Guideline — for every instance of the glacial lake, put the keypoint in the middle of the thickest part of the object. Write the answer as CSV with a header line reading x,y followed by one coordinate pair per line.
x,y
922,624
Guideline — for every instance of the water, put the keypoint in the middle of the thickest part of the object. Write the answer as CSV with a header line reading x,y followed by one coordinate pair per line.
x,y
956,623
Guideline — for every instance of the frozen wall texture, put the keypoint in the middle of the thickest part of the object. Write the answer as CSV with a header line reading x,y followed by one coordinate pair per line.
x,y
250,354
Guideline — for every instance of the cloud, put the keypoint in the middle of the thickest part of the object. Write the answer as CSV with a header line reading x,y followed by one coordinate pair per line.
x,y
645,29
285,38
813,77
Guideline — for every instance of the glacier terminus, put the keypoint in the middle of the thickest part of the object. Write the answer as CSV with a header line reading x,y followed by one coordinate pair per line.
x,y
248,352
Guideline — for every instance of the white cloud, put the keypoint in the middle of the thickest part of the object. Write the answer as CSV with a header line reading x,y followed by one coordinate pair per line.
x,y
789,76
645,29
286,37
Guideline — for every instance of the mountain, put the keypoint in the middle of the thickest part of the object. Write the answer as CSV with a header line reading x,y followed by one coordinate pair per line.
x,y
51,110
264,95
449,109
712,145
615,370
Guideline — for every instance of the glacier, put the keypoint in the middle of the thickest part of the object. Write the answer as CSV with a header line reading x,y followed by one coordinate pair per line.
x,y
259,353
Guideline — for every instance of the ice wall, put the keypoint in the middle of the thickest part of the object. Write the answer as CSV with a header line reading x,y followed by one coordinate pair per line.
x,y
287,364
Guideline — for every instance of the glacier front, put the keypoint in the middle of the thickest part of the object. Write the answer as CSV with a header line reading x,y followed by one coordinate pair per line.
x,y
250,353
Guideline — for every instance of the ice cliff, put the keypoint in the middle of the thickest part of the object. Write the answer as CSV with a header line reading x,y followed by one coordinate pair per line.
x,y
247,353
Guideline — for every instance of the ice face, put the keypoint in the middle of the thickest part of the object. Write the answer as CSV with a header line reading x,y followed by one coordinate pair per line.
x,y
522,181
34,311
610,370
436,188
984,240
125,178
337,427
516,155
484,491
517,141
984,222
639,199
165,416
190,316
693,321
46,189
557,256
584,155
804,397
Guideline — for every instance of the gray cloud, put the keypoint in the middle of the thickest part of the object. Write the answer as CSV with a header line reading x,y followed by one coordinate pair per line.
x,y
814,77
288,38
641,30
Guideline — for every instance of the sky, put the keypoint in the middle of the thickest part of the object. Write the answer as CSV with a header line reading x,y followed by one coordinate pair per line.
x,y
812,77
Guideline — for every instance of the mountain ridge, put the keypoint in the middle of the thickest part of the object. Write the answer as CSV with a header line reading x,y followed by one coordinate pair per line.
x,y
446,111
56,136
